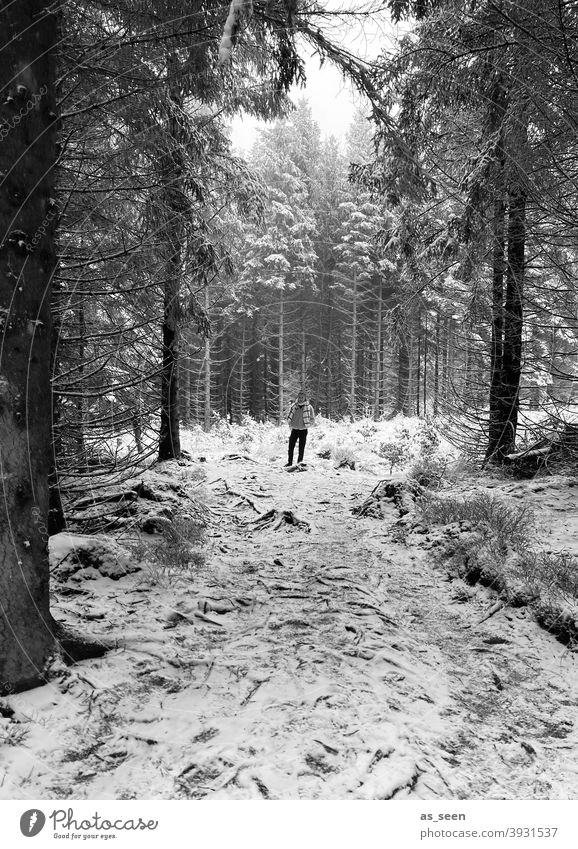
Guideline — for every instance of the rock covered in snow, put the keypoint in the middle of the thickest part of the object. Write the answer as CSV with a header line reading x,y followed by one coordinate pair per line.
x,y
80,556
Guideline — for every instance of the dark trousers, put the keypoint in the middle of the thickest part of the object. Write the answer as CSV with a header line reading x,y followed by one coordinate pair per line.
x,y
295,435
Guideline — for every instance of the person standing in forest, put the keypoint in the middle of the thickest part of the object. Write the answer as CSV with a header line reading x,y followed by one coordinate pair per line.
x,y
300,418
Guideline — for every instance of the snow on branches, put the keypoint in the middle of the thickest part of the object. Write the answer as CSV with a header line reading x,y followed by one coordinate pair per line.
x,y
236,11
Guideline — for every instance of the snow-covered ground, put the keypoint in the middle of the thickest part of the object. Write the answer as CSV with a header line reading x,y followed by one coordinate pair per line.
x,y
320,660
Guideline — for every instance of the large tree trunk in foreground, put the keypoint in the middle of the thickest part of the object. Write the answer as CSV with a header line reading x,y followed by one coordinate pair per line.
x,y
28,34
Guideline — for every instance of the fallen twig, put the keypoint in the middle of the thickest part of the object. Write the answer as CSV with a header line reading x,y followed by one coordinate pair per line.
x,y
495,608
252,692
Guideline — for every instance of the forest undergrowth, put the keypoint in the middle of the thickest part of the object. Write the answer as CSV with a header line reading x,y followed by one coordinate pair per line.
x,y
482,524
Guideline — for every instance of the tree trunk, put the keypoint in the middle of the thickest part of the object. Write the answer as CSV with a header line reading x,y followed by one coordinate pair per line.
x,y
450,353
446,363
466,377
242,371
497,341
27,266
329,388
418,368
56,520
303,367
207,393
352,387
377,385
436,401
281,375
254,404
169,437
184,370
513,324
505,384
425,375
81,458
265,407
403,399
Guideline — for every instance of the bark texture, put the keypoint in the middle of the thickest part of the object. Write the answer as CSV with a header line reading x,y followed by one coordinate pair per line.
x,y
28,35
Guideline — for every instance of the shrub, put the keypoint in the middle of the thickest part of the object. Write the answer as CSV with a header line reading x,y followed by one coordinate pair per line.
x,y
428,440
394,453
418,446
344,454
428,470
367,429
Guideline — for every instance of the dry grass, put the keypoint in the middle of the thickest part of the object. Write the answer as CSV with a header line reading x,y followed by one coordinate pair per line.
x,y
13,734
553,574
488,540
177,553
509,525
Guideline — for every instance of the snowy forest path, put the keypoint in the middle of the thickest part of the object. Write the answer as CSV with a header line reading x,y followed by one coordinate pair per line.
x,y
370,675
312,657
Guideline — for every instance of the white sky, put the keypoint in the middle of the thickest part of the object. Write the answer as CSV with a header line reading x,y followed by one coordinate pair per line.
x,y
333,101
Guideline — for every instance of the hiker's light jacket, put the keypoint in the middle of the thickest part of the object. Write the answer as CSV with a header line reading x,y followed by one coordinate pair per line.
x,y
301,416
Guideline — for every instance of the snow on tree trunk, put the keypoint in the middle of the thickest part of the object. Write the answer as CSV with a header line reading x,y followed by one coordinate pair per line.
x,y
27,266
